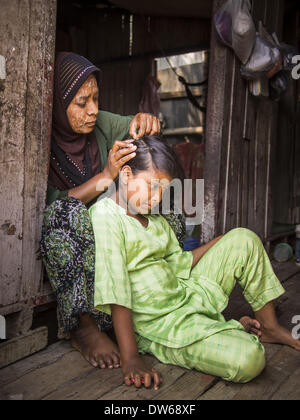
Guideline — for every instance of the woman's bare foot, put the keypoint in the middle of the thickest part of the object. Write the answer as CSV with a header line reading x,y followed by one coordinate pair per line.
x,y
95,346
252,326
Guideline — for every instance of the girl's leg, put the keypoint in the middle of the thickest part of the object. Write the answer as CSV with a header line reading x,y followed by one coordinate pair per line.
x,y
68,252
232,355
240,256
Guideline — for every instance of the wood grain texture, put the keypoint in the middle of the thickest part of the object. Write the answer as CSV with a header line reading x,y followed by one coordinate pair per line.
x,y
37,138
23,346
14,47
27,32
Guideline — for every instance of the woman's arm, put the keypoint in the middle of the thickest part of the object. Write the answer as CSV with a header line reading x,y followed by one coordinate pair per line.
x,y
134,368
199,252
121,153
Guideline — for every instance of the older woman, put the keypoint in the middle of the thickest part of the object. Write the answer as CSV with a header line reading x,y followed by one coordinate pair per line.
x,y
88,149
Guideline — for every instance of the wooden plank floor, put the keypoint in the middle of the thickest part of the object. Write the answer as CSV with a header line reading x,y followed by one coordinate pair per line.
x,y
60,373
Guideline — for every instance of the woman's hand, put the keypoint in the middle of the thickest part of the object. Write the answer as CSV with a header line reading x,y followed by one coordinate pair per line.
x,y
136,372
121,153
144,125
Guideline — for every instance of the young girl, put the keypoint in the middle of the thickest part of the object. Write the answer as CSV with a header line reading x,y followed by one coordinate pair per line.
x,y
168,302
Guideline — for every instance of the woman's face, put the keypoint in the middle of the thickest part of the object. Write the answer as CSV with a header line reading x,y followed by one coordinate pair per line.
x,y
82,111
145,189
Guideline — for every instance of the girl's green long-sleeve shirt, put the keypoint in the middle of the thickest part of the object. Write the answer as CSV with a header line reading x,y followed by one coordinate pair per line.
x,y
109,128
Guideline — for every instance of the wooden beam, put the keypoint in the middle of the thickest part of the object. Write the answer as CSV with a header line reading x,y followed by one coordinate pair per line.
x,y
21,347
185,131
188,8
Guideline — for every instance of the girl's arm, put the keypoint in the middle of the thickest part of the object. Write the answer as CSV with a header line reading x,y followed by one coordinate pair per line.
x,y
199,252
134,369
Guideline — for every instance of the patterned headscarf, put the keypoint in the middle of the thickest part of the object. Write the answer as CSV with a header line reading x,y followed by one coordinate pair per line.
x,y
75,158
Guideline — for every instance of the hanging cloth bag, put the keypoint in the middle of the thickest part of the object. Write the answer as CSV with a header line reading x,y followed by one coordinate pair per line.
x,y
236,27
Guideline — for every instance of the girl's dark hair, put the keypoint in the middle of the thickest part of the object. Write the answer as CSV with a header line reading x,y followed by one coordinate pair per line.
x,y
153,152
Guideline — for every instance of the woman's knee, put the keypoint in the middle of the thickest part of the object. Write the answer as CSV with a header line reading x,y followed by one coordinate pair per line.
x,y
250,364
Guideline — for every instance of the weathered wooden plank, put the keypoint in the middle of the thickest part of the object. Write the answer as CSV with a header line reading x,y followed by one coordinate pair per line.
x,y
285,271
216,124
289,390
234,188
11,231
19,323
190,386
44,358
261,165
37,384
118,79
87,387
37,137
244,188
272,138
21,347
14,30
222,391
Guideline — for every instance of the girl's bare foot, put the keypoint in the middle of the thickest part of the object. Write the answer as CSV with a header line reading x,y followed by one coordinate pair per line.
x,y
252,326
95,346
279,335
272,331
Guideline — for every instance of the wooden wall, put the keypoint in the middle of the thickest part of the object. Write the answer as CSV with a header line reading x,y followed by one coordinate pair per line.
x,y
124,46
241,139
27,33
287,175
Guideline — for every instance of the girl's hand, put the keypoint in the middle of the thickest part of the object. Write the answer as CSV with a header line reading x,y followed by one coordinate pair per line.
x,y
136,372
121,153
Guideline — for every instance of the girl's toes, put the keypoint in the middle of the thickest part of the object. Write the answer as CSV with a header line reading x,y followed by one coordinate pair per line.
x,y
256,332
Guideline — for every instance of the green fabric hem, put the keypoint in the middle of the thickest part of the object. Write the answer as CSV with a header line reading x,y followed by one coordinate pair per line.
x,y
264,298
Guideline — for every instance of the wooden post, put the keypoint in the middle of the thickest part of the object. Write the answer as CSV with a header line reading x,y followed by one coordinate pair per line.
x,y
27,33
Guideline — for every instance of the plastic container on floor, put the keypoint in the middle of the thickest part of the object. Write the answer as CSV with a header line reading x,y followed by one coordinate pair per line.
x,y
283,253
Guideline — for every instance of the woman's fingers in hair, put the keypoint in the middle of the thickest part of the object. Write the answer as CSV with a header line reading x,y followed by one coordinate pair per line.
x,y
124,152
138,126
126,159
149,124
155,127
144,125
118,145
